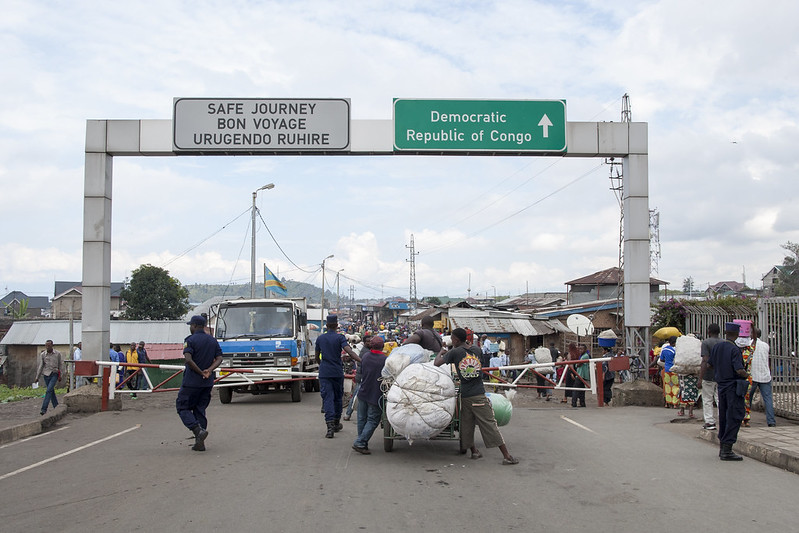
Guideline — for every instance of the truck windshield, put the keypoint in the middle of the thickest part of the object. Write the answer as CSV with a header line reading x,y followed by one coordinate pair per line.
x,y
254,322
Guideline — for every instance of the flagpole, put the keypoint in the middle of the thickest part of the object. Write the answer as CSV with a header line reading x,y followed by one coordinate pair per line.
x,y
265,296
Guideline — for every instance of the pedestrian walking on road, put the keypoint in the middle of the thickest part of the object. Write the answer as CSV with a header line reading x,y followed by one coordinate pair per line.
x,y
584,372
761,376
369,395
728,366
203,355
329,346
132,356
50,362
475,407
707,380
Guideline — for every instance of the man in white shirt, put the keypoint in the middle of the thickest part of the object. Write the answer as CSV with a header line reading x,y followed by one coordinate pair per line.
x,y
80,381
761,376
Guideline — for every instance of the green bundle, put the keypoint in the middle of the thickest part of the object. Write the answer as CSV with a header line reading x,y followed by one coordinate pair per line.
x,y
501,406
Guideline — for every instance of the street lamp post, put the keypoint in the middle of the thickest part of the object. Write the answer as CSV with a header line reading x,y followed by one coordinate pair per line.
x,y
252,255
322,317
338,294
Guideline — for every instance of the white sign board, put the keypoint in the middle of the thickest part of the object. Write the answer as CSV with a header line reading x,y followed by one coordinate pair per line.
x,y
260,125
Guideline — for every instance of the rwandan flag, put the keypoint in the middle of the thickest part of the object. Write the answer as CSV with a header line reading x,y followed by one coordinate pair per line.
x,y
273,284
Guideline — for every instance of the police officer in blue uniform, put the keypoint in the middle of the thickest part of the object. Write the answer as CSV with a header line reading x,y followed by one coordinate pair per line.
x,y
329,346
728,365
203,355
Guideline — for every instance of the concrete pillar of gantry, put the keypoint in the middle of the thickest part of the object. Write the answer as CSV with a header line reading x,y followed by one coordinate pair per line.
x,y
97,184
635,199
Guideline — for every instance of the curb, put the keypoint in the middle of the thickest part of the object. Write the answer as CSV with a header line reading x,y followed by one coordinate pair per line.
x,y
760,452
29,429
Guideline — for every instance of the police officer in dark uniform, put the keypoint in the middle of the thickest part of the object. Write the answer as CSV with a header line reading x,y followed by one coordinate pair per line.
x,y
203,355
728,366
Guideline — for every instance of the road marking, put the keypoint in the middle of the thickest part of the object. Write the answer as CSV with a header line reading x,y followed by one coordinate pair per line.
x,y
570,421
70,452
31,438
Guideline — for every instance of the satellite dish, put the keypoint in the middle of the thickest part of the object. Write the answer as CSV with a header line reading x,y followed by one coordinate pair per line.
x,y
580,325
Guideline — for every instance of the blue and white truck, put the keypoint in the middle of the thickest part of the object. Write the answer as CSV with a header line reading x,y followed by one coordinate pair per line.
x,y
268,337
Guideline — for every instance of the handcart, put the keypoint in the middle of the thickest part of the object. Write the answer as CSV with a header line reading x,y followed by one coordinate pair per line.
x,y
451,432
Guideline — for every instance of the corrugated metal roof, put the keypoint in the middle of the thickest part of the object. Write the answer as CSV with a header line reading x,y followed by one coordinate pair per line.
x,y
36,332
526,327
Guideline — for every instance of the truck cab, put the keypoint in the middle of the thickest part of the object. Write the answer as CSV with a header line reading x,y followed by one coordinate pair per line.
x,y
264,336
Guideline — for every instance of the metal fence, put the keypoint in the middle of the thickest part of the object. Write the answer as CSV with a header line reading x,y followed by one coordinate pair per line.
x,y
779,322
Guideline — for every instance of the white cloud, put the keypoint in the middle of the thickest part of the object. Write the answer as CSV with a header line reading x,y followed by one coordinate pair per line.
x,y
700,81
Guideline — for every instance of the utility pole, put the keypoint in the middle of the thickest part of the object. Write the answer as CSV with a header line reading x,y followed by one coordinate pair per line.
x,y
322,317
252,255
412,261
338,294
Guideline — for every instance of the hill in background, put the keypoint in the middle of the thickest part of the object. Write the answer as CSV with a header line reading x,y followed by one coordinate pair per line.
x,y
200,292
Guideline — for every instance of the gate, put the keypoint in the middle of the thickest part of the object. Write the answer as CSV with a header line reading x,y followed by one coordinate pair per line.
x,y
779,322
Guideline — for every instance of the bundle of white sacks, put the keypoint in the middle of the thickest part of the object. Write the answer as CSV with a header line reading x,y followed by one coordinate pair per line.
x,y
421,402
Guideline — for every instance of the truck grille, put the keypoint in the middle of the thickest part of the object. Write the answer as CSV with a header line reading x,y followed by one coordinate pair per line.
x,y
253,360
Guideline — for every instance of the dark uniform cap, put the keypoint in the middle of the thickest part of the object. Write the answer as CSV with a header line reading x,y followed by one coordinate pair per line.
x,y
732,327
332,320
197,320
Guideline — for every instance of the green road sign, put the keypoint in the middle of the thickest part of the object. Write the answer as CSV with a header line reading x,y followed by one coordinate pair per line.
x,y
479,125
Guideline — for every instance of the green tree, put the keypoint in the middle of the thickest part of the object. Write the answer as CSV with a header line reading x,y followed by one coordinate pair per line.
x,y
669,313
788,280
688,285
152,294
433,300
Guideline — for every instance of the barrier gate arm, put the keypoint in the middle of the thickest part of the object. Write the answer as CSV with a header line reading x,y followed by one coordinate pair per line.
x,y
110,390
594,375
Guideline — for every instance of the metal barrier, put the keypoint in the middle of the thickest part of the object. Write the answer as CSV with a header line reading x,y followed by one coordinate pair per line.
x,y
250,377
779,322
595,374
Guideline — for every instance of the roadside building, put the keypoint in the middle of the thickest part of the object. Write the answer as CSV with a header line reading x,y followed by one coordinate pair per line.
x,y
604,285
25,339
15,302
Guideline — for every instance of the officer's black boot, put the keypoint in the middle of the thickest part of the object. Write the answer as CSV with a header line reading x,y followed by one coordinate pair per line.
x,y
331,429
338,426
728,455
721,449
199,438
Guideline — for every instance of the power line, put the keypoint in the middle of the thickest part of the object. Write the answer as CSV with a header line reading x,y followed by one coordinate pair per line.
x,y
278,246
206,239
500,221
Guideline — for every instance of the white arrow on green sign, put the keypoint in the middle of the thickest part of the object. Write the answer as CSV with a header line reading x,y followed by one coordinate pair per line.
x,y
479,125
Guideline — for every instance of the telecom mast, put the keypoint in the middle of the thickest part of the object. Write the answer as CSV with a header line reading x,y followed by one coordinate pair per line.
x,y
616,175
412,261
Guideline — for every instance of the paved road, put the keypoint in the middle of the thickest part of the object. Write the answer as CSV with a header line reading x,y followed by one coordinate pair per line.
x,y
268,468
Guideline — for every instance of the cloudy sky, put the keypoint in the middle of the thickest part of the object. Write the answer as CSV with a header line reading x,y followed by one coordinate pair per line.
x,y
717,82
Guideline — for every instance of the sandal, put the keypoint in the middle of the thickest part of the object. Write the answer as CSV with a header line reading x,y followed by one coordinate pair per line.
x,y
681,412
510,461
477,455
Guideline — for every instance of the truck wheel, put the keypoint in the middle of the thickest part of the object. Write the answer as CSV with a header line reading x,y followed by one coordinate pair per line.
x,y
296,391
316,385
225,394
308,383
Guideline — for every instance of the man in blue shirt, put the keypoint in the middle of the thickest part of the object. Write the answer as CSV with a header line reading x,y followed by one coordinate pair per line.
x,y
369,395
727,362
203,355
329,346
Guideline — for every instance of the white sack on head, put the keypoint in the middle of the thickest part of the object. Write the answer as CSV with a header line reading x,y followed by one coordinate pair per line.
x,y
687,355
543,355
446,340
402,356
421,401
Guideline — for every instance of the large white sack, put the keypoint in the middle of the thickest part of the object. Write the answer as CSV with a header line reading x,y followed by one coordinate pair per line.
x,y
687,355
543,355
421,401
402,356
